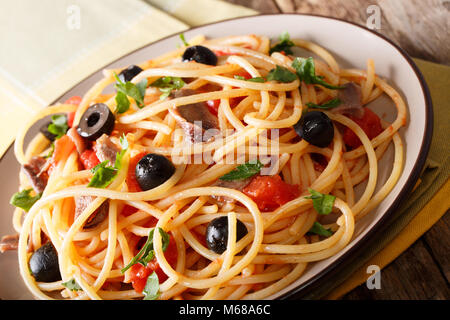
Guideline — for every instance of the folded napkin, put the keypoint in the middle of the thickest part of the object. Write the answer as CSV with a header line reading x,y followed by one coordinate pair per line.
x,y
62,42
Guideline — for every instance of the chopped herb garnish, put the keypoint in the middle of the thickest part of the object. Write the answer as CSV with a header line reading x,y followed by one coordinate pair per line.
x,y
323,203
167,84
284,45
243,171
306,72
52,149
319,229
281,74
255,79
24,200
71,285
105,174
325,106
151,289
59,126
122,102
129,89
146,254
183,39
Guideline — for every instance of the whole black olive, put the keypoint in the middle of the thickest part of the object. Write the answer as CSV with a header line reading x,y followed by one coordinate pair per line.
x,y
44,264
316,128
217,233
129,73
96,121
153,170
200,54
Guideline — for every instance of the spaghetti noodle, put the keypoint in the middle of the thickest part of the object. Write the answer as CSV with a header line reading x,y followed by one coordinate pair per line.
x,y
255,111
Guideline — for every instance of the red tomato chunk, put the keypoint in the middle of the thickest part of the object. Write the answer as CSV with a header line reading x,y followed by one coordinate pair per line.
x,y
89,159
139,273
270,192
370,123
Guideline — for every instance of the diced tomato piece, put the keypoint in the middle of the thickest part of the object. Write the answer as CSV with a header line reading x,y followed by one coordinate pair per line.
x,y
76,100
370,123
270,192
213,106
133,185
128,210
63,147
139,273
89,159
70,117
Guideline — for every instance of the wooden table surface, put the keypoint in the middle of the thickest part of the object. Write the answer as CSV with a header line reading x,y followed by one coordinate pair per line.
x,y
421,27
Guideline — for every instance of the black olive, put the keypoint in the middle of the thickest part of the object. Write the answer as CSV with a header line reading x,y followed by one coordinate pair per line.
x,y
44,264
200,54
129,73
217,233
96,121
316,128
44,130
153,170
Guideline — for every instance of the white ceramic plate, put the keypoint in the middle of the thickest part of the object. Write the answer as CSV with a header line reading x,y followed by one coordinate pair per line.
x,y
352,45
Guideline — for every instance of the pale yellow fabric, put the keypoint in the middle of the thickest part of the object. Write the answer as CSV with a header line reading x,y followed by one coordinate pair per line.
x,y
62,42
44,53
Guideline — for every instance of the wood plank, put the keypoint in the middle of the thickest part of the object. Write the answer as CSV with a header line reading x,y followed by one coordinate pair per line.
x,y
413,275
438,241
262,6
421,27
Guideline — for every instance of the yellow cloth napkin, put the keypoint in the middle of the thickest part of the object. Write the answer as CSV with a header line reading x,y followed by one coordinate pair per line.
x,y
61,42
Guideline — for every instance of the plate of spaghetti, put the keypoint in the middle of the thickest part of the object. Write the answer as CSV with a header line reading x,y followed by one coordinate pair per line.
x,y
246,159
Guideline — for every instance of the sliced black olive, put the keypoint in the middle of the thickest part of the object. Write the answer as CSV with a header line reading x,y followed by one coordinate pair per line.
x,y
153,170
217,233
316,128
96,121
44,130
129,73
44,264
200,54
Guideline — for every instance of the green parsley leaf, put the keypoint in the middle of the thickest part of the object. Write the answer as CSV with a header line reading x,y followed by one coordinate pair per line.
x,y
135,91
255,79
284,45
184,40
146,254
306,72
323,203
59,126
124,144
319,229
24,200
167,84
71,285
243,171
325,106
151,289
281,74
122,102
103,175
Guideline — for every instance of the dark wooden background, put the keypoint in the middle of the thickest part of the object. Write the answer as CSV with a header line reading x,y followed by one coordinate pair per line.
x,y
421,27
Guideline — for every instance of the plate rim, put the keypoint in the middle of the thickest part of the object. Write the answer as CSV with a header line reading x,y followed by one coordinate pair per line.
x,y
315,281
